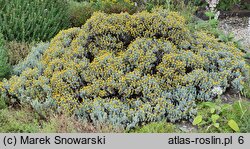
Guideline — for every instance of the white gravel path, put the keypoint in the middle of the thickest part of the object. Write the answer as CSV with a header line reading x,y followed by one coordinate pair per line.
x,y
240,27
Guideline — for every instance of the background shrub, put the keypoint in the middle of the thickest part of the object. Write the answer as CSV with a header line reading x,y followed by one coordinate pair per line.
x,y
126,70
4,64
30,20
227,4
114,6
81,10
17,51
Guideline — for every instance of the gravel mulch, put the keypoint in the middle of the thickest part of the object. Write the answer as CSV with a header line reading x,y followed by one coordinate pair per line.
x,y
240,27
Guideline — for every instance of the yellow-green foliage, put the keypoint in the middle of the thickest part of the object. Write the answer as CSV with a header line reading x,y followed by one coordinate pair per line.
x,y
130,69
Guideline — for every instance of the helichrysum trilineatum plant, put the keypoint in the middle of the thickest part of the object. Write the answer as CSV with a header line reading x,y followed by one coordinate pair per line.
x,y
130,69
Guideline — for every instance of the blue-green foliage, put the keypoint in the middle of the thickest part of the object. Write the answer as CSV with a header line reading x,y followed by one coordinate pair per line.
x,y
32,60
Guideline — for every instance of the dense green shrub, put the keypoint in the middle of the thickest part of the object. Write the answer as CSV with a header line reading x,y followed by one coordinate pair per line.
x,y
227,4
130,69
167,4
113,6
4,64
32,19
17,51
151,2
79,13
82,10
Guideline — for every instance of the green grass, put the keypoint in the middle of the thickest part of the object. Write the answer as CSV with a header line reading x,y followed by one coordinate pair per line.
x,y
240,112
66,124
18,121
26,120
246,89
2,103
156,127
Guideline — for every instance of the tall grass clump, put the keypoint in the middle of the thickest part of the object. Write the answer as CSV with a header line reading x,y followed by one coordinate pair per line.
x,y
4,65
28,20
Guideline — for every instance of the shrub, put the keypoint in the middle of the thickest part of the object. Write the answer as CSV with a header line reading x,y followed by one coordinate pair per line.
x,y
150,4
17,51
227,4
80,11
113,6
4,64
32,60
32,19
126,70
